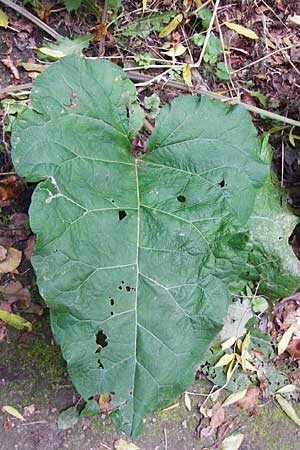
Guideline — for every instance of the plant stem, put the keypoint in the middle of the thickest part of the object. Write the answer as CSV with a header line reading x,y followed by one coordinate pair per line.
x,y
92,7
31,17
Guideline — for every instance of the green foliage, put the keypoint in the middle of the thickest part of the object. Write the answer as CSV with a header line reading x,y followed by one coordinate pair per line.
x,y
52,51
152,103
68,418
144,26
205,15
213,49
136,257
198,39
222,72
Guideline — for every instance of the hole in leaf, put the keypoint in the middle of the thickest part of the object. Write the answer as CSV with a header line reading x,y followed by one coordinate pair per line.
x,y
113,201
120,288
122,282
128,288
112,302
222,183
101,339
122,215
280,238
111,313
181,198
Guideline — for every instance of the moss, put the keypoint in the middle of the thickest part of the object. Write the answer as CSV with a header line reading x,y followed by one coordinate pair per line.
x,y
101,426
34,367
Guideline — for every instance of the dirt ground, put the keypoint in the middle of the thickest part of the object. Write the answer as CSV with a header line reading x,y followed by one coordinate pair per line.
x,y
32,372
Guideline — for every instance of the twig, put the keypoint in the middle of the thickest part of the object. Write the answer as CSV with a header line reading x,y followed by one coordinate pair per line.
x,y
31,17
166,439
266,57
105,10
145,80
282,164
105,446
20,87
234,101
211,23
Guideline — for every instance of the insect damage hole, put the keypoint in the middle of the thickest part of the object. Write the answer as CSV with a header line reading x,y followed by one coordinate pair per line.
x,y
181,198
101,340
222,183
122,214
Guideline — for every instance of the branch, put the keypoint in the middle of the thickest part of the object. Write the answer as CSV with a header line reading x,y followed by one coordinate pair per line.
x,y
31,17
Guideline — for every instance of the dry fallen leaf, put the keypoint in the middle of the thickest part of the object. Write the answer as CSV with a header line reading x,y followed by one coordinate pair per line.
x,y
3,19
171,26
3,331
12,260
174,52
187,74
294,19
232,442
241,30
8,424
104,403
249,400
187,401
284,341
8,62
288,409
13,412
15,321
30,243
10,187
101,32
3,253
236,396
28,410
23,25
121,444
32,67
217,416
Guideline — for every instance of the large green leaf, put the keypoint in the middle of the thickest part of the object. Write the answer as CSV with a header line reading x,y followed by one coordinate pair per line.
x,y
271,258
134,256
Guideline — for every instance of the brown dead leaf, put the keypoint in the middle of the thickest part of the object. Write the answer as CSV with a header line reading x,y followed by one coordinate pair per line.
x,y
258,354
100,32
294,348
8,424
23,25
104,403
44,11
12,261
289,315
250,399
30,243
15,292
8,43
10,187
17,226
2,331
8,62
217,418
28,410
3,253
5,306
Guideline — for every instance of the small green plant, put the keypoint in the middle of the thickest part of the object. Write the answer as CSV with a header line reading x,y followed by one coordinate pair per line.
x,y
137,256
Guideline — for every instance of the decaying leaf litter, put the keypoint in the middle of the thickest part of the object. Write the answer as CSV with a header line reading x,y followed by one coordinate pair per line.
x,y
279,96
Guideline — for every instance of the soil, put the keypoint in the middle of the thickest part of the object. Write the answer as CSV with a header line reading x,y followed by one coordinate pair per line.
x,y
32,371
